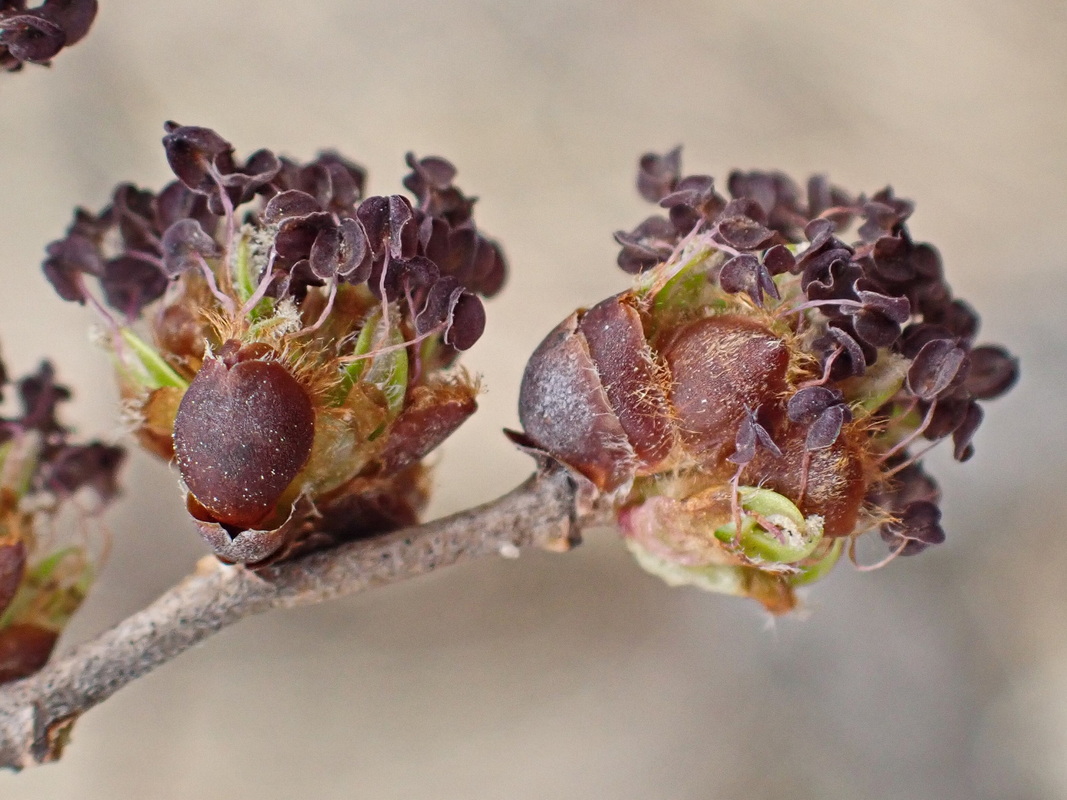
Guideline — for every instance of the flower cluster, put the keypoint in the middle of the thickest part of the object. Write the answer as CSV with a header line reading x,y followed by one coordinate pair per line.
x,y
43,579
36,35
301,334
762,395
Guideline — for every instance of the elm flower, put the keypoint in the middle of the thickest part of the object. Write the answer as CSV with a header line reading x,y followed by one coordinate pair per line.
x,y
763,394
36,35
49,486
287,340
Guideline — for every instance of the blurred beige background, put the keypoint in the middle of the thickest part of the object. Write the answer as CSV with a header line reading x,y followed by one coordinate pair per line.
x,y
577,676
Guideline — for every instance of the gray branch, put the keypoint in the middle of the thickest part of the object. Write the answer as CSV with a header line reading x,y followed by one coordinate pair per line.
x,y
36,713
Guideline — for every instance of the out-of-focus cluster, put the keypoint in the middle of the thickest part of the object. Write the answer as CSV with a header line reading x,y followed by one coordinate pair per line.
x,y
286,339
36,35
764,393
50,492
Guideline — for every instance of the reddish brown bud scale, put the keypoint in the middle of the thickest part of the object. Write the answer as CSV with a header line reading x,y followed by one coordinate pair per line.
x,y
722,368
24,649
156,431
836,483
623,360
244,430
431,416
181,333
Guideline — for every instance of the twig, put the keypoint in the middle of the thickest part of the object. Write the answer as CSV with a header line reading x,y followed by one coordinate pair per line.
x,y
36,713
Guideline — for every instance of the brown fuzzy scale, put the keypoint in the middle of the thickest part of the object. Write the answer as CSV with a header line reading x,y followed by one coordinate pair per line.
x,y
181,333
723,367
837,481
243,431
624,362
430,416
155,429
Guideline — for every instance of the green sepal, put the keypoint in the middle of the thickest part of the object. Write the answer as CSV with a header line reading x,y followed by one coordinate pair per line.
x,y
155,371
242,272
802,535
388,371
821,568
718,578
244,283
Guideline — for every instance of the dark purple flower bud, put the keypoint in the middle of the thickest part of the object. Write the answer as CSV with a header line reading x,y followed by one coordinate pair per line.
x,y
918,525
648,244
822,197
195,155
40,395
24,649
806,405
390,226
75,16
296,235
934,368
743,233
777,196
829,275
32,36
875,328
130,283
411,276
884,214
489,269
779,260
176,202
992,372
346,182
745,273
891,259
440,299
950,414
466,322
819,232
750,435
825,430
895,309
352,256
823,410
431,182
94,465
855,361
68,259
291,203
962,449
185,244
657,176
693,199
